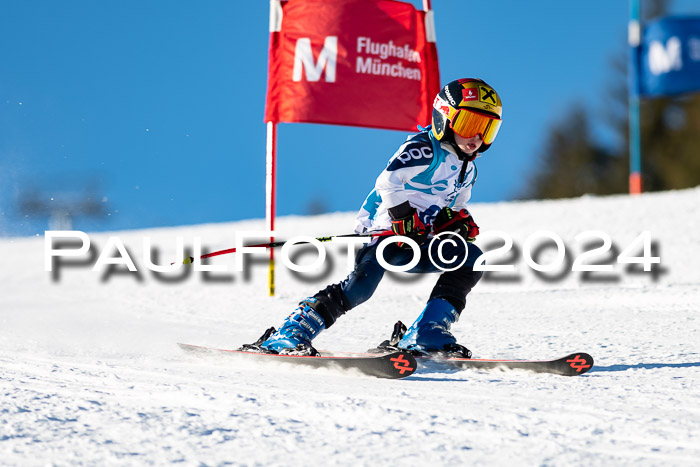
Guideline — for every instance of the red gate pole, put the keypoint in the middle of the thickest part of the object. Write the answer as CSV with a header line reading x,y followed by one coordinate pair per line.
x,y
270,196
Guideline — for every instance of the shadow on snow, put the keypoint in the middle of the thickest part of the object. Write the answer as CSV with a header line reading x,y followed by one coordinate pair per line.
x,y
643,366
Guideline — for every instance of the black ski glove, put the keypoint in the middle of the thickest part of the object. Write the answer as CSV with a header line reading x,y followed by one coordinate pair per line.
x,y
461,222
405,221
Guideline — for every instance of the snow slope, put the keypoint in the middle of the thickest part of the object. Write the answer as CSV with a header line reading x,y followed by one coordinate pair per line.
x,y
90,373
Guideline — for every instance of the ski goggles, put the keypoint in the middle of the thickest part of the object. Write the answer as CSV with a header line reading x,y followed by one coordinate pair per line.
x,y
467,124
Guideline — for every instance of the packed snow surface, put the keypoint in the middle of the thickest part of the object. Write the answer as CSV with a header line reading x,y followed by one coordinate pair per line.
x,y
90,371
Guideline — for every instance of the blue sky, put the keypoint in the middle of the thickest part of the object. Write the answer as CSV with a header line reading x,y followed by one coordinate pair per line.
x,y
156,108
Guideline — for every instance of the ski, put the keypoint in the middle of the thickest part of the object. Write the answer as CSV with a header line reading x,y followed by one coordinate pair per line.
x,y
571,365
390,365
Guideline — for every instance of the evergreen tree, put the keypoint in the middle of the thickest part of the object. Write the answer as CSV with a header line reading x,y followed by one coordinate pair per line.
x,y
573,164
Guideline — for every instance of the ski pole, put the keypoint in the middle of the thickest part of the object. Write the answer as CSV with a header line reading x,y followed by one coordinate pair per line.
x,y
190,259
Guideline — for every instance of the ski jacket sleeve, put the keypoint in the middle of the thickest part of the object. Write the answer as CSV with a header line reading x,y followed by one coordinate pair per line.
x,y
411,159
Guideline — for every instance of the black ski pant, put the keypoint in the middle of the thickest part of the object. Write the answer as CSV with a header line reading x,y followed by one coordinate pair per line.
x,y
453,285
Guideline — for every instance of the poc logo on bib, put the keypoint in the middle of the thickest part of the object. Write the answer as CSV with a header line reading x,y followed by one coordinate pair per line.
x,y
415,153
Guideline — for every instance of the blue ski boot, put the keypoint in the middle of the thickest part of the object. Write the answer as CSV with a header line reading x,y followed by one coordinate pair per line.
x,y
430,334
297,332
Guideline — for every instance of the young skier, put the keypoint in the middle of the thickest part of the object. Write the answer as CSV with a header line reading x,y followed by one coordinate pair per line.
x,y
425,187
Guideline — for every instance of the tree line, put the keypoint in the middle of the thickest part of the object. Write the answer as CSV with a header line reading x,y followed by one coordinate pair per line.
x,y
573,161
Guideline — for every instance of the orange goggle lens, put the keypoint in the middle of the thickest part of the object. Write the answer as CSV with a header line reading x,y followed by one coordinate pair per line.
x,y
468,124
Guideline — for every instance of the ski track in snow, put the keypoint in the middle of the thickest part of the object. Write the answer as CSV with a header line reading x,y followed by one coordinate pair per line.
x,y
90,373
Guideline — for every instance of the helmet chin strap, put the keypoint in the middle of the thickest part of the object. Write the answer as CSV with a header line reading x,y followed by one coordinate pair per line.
x,y
450,138
466,156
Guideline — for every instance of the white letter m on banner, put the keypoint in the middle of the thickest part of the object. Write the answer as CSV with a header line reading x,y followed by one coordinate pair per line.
x,y
663,60
304,56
